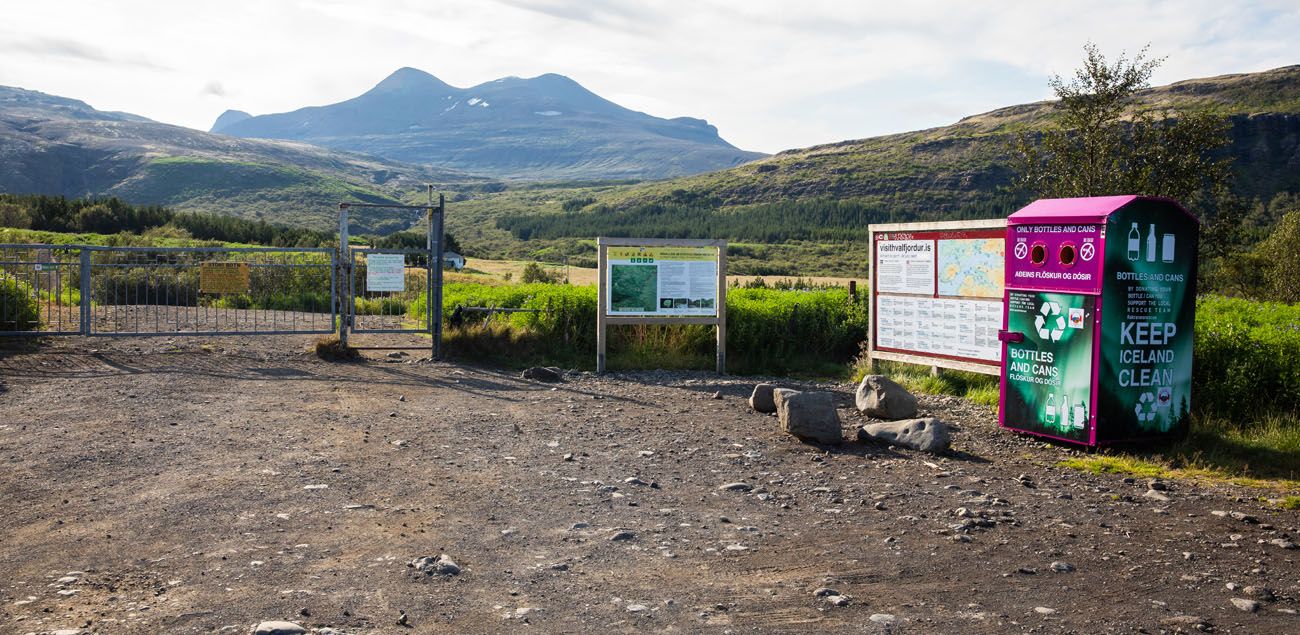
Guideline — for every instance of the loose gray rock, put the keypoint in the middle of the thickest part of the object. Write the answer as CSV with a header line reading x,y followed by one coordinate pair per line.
x,y
878,396
1062,567
1260,593
824,591
810,415
762,400
1243,517
622,535
278,628
928,434
735,487
440,565
541,373
1156,495
1283,543
1249,606
1185,623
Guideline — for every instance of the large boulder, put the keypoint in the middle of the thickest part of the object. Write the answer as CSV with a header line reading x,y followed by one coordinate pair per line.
x,y
762,399
879,397
810,416
779,395
928,434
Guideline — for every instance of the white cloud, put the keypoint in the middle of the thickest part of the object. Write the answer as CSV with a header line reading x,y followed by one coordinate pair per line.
x,y
770,74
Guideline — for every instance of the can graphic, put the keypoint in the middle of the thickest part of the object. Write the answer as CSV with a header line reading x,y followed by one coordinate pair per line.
x,y
1167,248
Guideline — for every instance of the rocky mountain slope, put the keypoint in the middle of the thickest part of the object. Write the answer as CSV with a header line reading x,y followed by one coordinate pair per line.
x,y
545,127
55,145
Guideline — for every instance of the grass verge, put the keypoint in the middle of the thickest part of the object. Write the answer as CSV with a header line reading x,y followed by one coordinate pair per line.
x,y
1263,454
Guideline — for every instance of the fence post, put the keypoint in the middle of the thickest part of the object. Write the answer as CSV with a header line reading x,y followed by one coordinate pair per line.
x,y
428,275
601,264
85,291
345,272
437,290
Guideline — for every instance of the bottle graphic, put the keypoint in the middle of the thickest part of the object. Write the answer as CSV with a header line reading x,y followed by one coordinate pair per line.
x,y
1065,413
1151,244
1050,411
1167,248
1134,242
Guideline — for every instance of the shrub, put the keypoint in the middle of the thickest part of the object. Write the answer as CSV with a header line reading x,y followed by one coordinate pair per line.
x,y
18,308
1247,358
534,272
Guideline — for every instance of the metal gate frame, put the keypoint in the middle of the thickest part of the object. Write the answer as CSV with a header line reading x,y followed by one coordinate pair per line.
x,y
166,299
433,252
155,289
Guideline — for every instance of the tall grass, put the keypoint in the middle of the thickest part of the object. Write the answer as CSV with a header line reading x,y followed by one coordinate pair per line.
x,y
768,331
1247,358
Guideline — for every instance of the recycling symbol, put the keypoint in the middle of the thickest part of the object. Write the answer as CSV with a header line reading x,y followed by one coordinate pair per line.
x,y
1146,407
1048,310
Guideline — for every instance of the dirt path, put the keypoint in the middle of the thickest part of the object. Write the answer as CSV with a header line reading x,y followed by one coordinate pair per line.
x,y
154,486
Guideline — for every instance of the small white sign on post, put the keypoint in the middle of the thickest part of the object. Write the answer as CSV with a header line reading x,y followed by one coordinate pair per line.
x,y
385,272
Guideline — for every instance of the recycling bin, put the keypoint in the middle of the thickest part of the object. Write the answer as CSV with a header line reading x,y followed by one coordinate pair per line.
x,y
1097,328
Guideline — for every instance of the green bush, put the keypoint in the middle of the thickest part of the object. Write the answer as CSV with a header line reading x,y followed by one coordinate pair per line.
x,y
18,308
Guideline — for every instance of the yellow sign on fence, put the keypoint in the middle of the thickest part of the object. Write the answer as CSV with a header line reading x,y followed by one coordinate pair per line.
x,y
223,277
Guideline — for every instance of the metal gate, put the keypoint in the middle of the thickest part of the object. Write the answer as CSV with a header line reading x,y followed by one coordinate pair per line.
x,y
384,288
146,291
48,289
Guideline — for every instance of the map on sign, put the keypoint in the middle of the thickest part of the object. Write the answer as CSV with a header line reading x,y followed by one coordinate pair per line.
x,y
971,267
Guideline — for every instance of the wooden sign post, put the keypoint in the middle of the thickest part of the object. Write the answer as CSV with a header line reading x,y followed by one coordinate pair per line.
x,y
661,281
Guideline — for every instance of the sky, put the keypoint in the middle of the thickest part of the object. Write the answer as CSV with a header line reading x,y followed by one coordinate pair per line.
x,y
770,74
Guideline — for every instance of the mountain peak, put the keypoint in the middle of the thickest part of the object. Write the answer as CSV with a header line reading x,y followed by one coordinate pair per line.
x,y
407,79
229,118
548,126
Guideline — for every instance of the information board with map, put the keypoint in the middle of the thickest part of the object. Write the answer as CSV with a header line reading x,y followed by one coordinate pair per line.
x,y
937,293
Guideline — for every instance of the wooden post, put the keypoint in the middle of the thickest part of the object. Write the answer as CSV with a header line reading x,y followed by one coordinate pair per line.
x,y
601,294
721,309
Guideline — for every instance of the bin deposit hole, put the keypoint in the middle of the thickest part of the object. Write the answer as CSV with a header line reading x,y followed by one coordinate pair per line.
x,y
1067,254
1038,254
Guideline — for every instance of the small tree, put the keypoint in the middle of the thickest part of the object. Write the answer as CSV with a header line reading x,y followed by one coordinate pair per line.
x,y
534,272
1279,258
1102,142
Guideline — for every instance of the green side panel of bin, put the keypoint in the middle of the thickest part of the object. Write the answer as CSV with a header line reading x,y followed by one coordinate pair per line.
x,y
1049,373
1148,323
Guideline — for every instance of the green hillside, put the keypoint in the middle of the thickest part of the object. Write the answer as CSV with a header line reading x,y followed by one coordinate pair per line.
x,y
58,146
831,192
